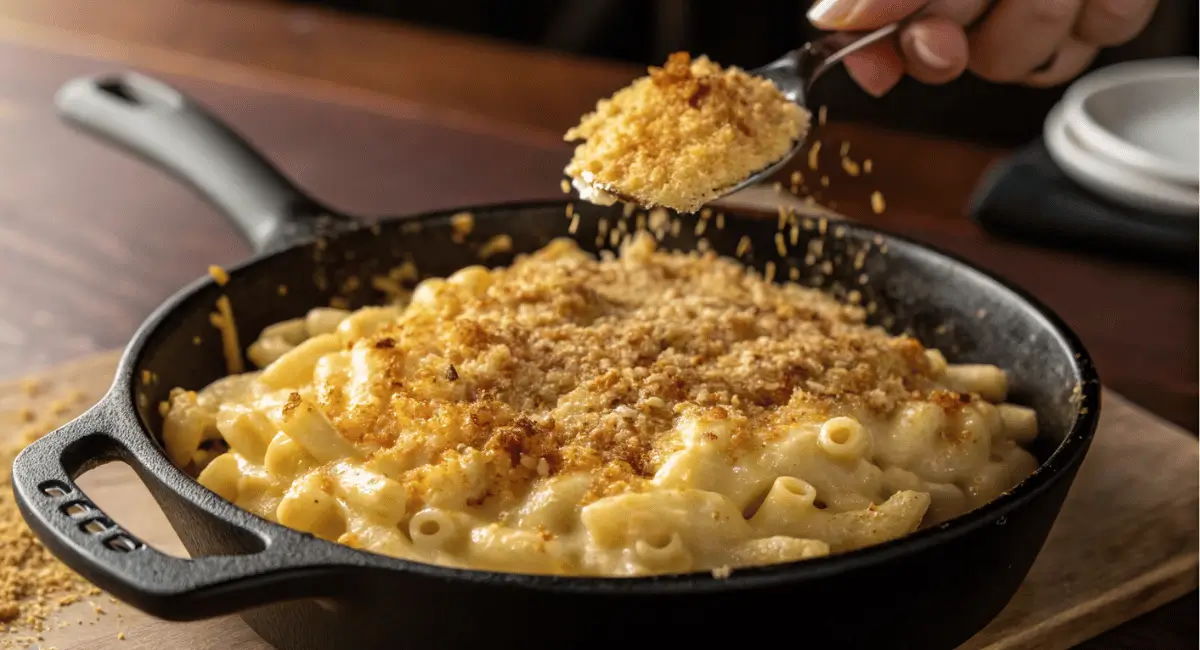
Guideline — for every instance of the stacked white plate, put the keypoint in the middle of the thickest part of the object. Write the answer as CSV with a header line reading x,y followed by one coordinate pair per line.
x,y
1131,133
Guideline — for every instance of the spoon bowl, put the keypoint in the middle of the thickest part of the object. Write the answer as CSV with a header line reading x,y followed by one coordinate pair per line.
x,y
793,74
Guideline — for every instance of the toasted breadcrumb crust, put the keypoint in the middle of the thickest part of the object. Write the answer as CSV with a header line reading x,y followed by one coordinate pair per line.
x,y
585,364
679,136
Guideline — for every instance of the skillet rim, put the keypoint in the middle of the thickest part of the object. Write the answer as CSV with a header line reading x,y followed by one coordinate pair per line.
x,y
121,397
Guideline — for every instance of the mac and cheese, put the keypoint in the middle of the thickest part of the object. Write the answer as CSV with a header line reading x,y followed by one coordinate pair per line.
x,y
648,413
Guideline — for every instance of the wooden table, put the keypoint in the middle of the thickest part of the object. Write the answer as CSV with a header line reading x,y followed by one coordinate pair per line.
x,y
90,242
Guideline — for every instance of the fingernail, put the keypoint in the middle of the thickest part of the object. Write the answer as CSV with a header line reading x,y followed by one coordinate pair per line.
x,y
832,13
928,56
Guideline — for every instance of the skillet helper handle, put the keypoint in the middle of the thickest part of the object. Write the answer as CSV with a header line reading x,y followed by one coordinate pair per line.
x,y
81,535
174,133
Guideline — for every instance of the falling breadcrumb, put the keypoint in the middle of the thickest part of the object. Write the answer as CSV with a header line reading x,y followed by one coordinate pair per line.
x,y
659,219
496,245
219,274
743,246
877,203
461,225
223,320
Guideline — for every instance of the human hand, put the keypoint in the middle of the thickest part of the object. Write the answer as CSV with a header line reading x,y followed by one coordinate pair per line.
x,y
1032,42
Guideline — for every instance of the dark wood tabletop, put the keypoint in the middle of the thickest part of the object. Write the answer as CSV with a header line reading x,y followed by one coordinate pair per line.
x,y
382,119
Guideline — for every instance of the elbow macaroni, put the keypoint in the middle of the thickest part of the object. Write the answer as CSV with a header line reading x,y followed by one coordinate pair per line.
x,y
430,432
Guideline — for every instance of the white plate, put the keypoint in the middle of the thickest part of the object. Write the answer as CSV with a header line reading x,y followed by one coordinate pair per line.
x,y
1119,182
1141,114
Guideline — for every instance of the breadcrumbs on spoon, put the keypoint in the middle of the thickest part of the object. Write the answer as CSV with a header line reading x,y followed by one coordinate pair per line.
x,y
680,136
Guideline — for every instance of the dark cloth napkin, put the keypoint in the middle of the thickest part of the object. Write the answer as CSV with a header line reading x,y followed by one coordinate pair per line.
x,y
1027,197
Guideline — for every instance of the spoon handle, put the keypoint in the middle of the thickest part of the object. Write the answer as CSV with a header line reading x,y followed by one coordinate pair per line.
x,y
818,56
839,45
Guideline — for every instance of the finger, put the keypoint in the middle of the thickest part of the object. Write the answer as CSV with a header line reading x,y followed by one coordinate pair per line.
x,y
1113,22
1072,58
845,15
1019,35
960,12
876,68
935,50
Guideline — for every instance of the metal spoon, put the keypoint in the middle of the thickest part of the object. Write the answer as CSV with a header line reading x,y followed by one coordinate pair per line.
x,y
794,74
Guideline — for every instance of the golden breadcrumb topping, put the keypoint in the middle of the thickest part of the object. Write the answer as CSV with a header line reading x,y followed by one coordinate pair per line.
x,y
681,135
33,584
563,361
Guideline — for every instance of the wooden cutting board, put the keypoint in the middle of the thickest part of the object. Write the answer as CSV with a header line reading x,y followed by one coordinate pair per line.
x,y
1125,543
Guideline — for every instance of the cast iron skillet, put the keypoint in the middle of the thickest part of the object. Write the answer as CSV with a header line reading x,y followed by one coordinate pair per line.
x,y
933,589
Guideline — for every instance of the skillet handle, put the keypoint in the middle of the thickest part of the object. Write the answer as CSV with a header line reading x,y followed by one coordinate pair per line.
x,y
174,133
84,538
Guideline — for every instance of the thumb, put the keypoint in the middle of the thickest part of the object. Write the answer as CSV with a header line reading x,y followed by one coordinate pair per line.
x,y
853,15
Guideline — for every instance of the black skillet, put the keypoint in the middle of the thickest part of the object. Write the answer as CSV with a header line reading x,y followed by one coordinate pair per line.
x,y
933,589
